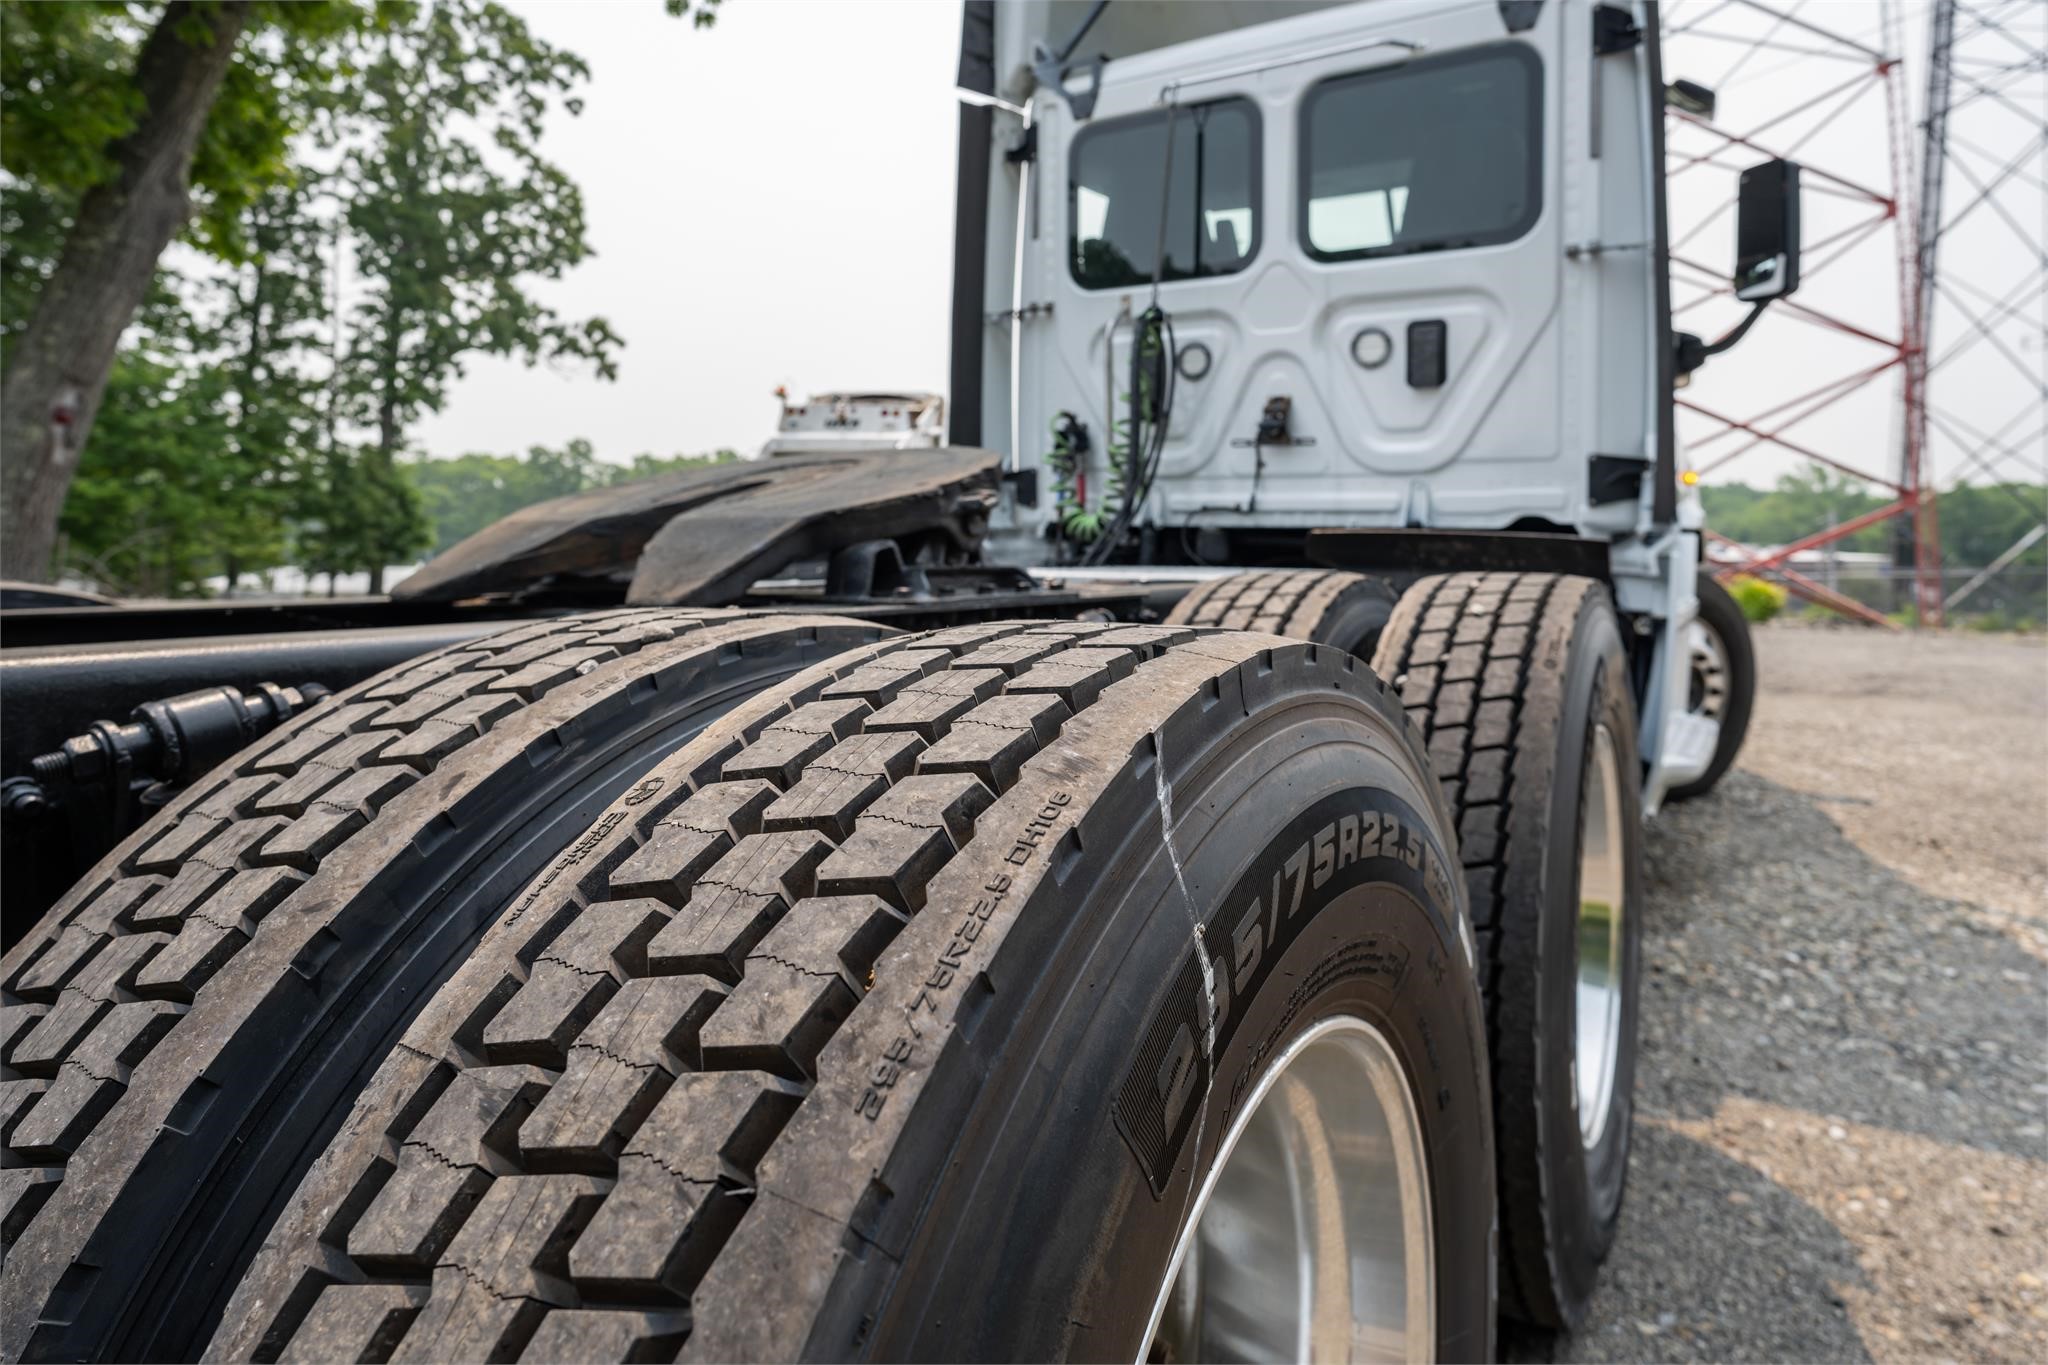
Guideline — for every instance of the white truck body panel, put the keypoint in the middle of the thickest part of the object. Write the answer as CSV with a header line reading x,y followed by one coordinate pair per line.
x,y
1551,325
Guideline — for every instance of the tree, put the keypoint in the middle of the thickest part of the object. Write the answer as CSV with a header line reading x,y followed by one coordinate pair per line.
x,y
1803,501
450,228
648,466
125,124
463,495
1978,521
211,419
112,167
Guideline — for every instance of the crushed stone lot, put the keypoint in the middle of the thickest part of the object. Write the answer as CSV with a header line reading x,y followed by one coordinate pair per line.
x,y
1840,1149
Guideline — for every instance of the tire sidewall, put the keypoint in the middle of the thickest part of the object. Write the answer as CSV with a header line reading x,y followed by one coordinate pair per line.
x,y
1357,618
1722,614
1056,1212
1585,1187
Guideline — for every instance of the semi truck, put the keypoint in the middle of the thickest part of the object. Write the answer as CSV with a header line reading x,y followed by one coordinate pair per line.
x,y
1157,875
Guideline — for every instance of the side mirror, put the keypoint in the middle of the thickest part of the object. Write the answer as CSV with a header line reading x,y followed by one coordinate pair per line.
x,y
1690,97
1767,232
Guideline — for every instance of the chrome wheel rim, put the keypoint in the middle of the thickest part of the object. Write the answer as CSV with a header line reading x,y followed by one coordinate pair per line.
x,y
1707,692
1602,904
1311,1237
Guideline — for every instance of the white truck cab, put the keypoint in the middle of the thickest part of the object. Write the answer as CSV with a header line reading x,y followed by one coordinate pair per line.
x,y
1240,272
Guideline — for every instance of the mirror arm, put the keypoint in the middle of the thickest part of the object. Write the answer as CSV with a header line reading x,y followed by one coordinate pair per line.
x,y
1740,330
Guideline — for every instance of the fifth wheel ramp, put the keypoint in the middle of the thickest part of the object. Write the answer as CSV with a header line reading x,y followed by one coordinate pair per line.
x,y
705,535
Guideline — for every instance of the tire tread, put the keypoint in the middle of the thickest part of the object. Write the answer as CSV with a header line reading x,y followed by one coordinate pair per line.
x,y
777,939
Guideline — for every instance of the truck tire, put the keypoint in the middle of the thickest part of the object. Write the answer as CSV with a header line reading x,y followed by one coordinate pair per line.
x,y
908,1023
186,1029
1325,606
1723,680
1520,683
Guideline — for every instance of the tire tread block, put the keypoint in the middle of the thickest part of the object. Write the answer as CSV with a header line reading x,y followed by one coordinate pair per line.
x,y
606,1334
197,883
617,1070
735,902
666,1217
214,932
444,1166
356,1322
571,980
106,980
91,1079
840,782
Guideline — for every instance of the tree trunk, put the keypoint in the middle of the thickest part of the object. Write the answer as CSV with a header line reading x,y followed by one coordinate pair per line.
x,y
389,436
58,372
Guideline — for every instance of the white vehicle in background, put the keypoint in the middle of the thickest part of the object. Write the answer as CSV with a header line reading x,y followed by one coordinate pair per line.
x,y
857,421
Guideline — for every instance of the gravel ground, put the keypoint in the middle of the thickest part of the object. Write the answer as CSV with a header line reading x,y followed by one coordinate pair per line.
x,y
1840,1149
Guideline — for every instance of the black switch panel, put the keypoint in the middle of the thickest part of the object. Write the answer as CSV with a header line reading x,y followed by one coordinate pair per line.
x,y
1427,342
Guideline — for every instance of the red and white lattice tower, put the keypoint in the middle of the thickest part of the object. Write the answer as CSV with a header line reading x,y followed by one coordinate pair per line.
x,y
1843,374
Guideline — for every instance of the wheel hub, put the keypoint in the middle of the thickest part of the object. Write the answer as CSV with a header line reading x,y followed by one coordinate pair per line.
x,y
1707,695
1311,1237
1602,903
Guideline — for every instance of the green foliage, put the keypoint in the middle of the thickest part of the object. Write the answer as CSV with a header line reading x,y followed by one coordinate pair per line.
x,y
207,451
1802,503
704,16
67,97
653,466
463,495
1979,522
359,511
448,233
65,94
1759,600
155,507
245,425
2001,621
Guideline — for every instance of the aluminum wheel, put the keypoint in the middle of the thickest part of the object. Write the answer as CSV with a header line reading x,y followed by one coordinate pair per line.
x,y
1602,895
1707,694
1311,1237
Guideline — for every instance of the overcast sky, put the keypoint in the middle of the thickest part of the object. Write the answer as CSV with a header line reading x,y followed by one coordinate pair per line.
x,y
770,202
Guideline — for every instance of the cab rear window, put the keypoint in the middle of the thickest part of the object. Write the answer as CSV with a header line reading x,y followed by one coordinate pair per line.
x,y
1119,184
1430,155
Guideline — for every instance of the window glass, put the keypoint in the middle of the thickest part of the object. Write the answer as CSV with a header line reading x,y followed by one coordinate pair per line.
x,y
1431,155
1119,181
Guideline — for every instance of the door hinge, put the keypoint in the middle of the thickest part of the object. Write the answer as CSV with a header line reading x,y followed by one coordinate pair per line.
x,y
1024,314
1614,30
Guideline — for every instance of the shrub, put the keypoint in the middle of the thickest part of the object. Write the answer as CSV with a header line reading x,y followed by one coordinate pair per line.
x,y
1760,601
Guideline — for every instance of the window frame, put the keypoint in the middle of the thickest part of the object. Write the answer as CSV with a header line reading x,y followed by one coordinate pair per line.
x,y
1538,163
1256,173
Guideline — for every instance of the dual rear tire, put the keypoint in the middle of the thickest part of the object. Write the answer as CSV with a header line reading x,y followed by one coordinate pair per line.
x,y
1009,966
1521,686
926,1014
